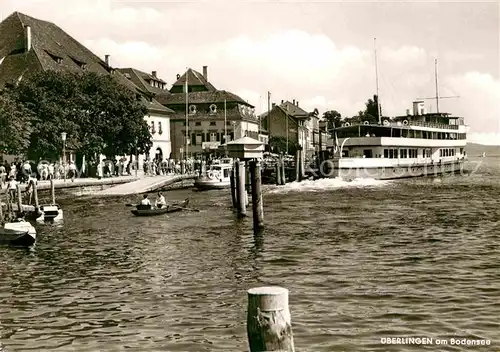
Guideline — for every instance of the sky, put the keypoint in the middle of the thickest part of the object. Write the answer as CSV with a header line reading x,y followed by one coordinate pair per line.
x,y
320,53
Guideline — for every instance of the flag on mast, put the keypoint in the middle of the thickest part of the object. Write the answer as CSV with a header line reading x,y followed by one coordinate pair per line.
x,y
187,113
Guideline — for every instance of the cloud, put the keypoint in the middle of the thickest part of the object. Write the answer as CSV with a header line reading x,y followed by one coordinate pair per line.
x,y
321,69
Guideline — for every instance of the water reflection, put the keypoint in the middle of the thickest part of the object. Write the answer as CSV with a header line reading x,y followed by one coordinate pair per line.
x,y
363,262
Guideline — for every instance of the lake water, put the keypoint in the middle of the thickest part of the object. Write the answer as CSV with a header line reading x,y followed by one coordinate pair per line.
x,y
363,261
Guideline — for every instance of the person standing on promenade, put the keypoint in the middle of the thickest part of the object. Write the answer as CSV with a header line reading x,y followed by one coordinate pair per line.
x,y
72,171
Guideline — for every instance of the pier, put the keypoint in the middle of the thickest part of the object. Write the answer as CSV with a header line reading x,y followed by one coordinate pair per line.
x,y
144,185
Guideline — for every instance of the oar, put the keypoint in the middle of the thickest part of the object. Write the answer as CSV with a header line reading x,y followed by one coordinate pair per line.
x,y
184,208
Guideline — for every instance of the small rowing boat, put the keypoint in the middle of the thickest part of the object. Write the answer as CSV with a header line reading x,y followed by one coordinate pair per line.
x,y
18,233
147,210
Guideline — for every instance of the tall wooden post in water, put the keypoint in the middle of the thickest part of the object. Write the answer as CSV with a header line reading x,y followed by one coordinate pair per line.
x,y
297,166
269,324
53,191
282,169
233,188
257,206
240,188
1,211
35,193
278,173
19,200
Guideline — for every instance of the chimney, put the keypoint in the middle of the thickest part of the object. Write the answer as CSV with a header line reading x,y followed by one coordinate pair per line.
x,y
205,72
274,104
106,59
297,103
293,102
153,73
27,35
282,101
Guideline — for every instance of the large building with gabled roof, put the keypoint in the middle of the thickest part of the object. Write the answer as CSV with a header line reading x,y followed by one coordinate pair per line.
x,y
29,45
210,114
289,120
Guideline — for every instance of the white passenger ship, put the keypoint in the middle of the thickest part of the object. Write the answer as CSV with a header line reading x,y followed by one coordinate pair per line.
x,y
417,144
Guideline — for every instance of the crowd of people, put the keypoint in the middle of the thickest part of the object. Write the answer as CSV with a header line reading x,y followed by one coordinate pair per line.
x,y
21,170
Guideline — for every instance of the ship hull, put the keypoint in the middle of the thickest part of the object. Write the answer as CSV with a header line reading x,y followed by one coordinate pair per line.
x,y
392,172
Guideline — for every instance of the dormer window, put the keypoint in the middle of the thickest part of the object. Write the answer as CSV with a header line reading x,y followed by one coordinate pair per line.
x,y
80,63
54,57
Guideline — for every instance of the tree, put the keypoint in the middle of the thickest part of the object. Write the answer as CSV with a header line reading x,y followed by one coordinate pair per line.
x,y
370,113
15,124
99,115
278,145
333,118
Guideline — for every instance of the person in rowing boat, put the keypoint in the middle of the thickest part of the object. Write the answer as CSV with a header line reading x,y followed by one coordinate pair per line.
x,y
160,201
145,200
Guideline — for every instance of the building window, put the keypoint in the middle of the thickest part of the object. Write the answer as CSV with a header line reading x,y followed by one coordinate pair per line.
x,y
160,131
403,153
228,123
199,138
198,123
412,153
153,131
213,137
213,123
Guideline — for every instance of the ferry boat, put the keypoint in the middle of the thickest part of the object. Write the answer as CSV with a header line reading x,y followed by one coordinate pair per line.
x,y
416,144
218,175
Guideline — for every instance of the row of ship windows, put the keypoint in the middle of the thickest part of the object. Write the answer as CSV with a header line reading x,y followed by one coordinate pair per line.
x,y
403,153
413,153
446,152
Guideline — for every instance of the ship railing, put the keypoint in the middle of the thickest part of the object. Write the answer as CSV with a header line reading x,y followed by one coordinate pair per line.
x,y
416,123
433,125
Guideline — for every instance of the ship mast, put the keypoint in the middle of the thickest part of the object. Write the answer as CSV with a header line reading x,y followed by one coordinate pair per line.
x,y
437,97
376,82
436,80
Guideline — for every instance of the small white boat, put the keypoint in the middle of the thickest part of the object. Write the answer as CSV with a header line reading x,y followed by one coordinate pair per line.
x,y
50,213
218,176
18,232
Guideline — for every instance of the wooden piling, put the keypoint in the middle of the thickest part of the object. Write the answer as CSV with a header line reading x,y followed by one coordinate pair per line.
x,y
233,188
257,206
278,173
19,200
53,191
297,166
35,194
240,188
247,183
283,170
269,326
1,212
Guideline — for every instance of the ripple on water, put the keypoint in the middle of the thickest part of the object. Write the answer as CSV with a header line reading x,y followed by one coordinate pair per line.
x,y
361,261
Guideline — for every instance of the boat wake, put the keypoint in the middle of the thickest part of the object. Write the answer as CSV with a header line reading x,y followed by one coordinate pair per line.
x,y
326,184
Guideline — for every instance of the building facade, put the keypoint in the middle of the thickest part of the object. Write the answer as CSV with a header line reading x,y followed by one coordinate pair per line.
x,y
29,45
158,122
205,117
288,120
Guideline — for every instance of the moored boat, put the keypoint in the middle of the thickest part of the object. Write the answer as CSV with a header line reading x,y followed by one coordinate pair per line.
x,y
146,210
50,213
18,233
218,176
